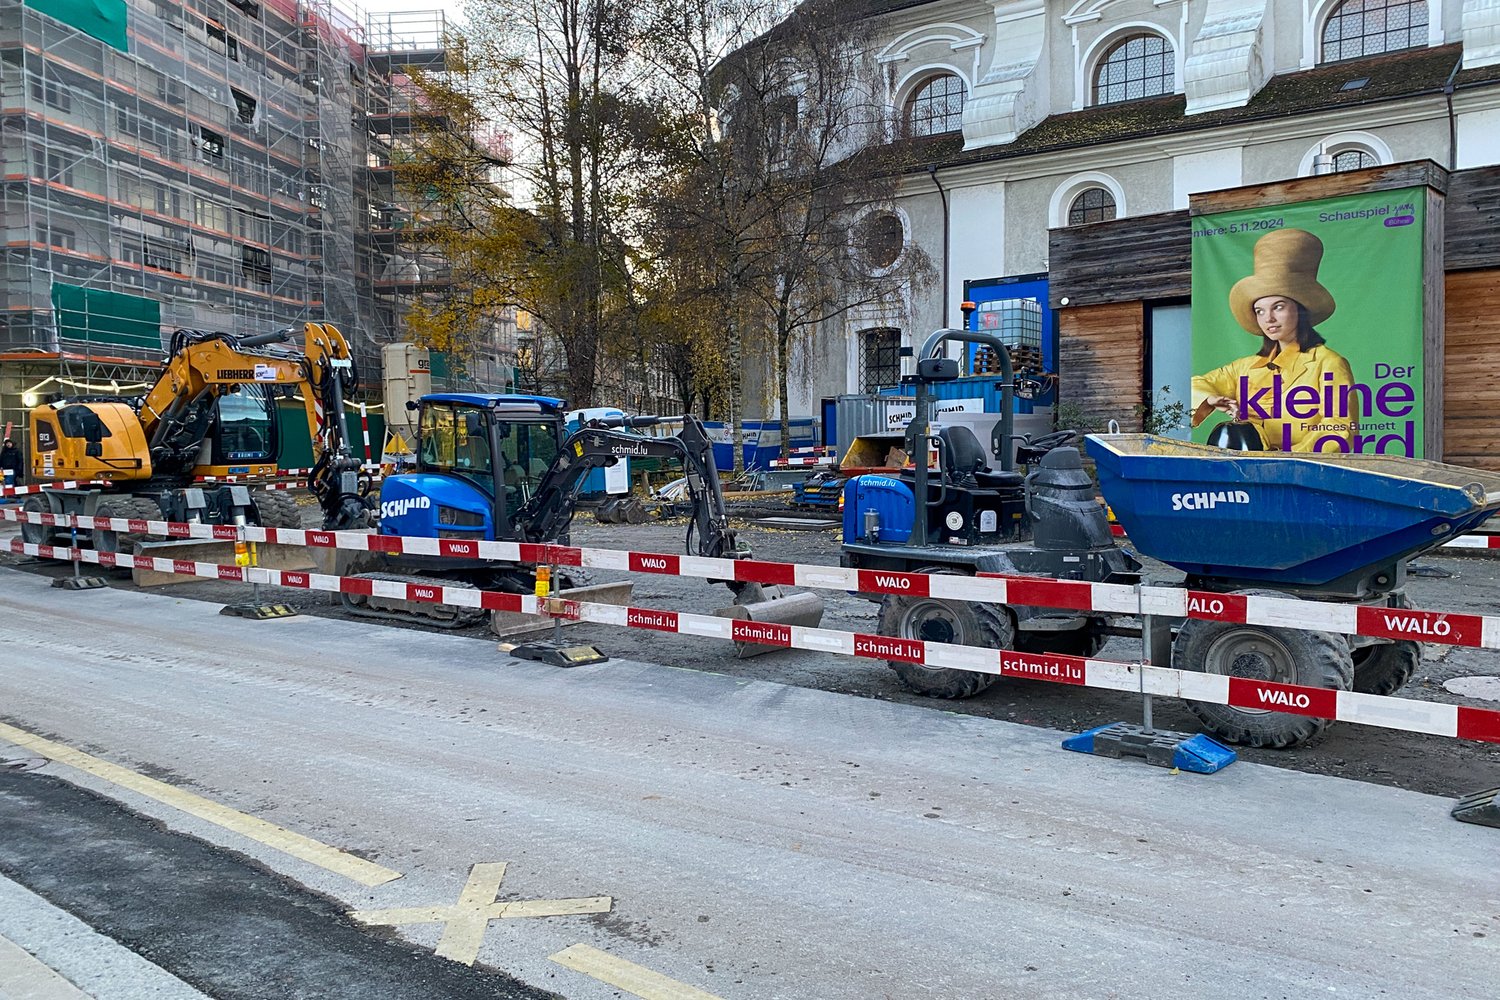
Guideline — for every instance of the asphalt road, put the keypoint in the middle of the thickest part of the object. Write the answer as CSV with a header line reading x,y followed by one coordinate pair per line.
x,y
755,839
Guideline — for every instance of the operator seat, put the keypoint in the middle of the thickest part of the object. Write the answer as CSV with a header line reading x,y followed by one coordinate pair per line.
x,y
968,462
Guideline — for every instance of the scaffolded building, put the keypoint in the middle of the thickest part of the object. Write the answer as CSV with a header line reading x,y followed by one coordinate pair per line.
x,y
207,164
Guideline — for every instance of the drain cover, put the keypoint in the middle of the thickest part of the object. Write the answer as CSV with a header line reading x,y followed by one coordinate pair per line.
x,y
1486,686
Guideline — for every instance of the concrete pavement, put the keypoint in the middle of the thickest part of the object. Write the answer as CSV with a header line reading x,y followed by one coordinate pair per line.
x,y
757,840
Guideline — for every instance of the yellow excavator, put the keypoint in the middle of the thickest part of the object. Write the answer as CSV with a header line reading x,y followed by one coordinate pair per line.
x,y
211,414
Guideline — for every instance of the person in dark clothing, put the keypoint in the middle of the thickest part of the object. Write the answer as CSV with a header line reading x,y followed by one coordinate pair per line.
x,y
10,464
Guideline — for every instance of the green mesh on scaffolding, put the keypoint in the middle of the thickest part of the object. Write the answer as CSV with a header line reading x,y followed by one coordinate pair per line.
x,y
105,20
98,318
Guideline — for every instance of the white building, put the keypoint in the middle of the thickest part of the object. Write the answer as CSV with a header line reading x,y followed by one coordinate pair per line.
x,y
1033,115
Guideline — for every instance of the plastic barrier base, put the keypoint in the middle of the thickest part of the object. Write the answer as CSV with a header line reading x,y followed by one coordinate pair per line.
x,y
1197,753
258,612
80,583
555,654
1482,808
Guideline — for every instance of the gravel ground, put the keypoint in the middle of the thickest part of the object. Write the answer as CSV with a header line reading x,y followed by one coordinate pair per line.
x,y
1434,765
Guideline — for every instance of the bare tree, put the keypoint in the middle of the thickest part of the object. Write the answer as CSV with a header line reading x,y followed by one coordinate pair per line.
x,y
698,217
808,140
551,71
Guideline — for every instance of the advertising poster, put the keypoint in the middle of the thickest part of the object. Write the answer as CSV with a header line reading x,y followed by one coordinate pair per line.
x,y
1307,326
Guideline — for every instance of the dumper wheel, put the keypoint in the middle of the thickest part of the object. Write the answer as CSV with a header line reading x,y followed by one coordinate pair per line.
x,y
1385,668
962,623
1262,653
277,510
36,534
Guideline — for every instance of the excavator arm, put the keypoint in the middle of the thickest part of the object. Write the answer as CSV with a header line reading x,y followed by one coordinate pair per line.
x,y
178,411
599,444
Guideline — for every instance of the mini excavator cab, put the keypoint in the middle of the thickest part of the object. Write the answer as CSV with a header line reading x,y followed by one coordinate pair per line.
x,y
480,459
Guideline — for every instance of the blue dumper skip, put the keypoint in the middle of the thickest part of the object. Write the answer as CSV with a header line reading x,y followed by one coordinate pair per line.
x,y
1289,520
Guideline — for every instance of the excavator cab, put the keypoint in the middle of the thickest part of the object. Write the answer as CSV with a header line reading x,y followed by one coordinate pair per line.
x,y
244,430
480,458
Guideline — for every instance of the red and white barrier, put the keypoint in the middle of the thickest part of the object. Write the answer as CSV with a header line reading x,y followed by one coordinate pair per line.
x,y
21,491
1457,721
280,473
1439,627
804,457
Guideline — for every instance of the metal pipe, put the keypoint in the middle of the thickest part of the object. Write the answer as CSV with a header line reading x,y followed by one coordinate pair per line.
x,y
1007,386
943,194
261,339
1452,120
920,429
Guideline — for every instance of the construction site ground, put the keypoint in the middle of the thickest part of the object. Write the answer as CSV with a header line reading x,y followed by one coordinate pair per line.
x,y
1430,764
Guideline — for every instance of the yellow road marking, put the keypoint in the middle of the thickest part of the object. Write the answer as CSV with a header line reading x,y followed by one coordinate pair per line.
x,y
304,848
467,919
628,976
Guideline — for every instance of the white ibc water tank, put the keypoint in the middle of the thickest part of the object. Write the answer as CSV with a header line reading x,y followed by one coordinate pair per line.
x,y
408,376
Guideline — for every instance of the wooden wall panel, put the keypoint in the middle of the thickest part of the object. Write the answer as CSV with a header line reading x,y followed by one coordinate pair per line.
x,y
1148,257
1102,363
1473,216
1391,177
1471,361
1141,257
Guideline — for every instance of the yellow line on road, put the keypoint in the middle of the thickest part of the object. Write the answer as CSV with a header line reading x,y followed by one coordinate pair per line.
x,y
628,976
304,848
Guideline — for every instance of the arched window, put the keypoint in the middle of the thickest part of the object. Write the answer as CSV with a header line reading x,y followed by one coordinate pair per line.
x,y
1354,159
1094,204
1139,66
1359,28
937,106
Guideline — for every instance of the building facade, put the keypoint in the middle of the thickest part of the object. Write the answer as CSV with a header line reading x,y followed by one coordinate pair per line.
x,y
222,165
1032,117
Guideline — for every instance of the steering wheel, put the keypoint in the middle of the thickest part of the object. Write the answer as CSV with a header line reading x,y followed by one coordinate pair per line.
x,y
1046,441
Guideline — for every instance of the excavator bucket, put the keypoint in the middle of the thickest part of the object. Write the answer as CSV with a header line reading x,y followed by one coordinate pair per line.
x,y
775,606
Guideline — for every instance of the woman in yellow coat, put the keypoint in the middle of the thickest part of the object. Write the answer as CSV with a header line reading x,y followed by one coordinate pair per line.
x,y
1295,390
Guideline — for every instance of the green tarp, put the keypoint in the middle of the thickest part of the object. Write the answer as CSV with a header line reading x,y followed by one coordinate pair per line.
x,y
98,318
296,448
105,20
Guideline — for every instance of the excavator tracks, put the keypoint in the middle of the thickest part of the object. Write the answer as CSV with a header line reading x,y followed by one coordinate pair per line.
x,y
448,616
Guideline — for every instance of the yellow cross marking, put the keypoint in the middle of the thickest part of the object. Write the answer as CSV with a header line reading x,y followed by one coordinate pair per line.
x,y
467,919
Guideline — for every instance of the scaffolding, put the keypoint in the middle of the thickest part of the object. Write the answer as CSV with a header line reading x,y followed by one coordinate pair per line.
x,y
218,161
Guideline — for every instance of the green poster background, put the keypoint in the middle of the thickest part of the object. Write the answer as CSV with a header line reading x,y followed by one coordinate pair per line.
x,y
1372,267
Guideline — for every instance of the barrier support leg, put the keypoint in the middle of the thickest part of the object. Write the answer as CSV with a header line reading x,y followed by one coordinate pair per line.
x,y
78,581
246,556
1482,808
1193,752
553,652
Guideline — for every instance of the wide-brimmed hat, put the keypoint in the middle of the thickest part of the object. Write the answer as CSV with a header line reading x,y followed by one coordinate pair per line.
x,y
1286,263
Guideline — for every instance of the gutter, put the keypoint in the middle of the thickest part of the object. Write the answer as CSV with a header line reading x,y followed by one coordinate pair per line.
x,y
932,172
1448,89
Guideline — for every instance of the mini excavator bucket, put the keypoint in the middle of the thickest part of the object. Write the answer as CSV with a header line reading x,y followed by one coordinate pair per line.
x,y
771,606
